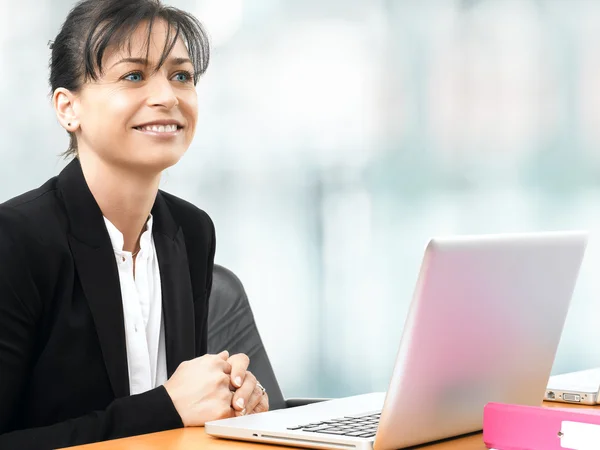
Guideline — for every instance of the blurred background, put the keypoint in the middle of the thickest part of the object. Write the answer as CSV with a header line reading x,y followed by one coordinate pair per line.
x,y
337,136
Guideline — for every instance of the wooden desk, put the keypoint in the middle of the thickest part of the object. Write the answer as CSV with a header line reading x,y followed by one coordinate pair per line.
x,y
196,438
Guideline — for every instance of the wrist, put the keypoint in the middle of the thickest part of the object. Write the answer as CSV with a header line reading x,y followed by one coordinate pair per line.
x,y
178,404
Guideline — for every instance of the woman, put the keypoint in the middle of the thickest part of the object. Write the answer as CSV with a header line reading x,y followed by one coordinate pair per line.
x,y
104,279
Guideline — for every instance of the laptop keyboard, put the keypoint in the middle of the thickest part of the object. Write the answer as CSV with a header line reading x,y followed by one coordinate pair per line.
x,y
355,426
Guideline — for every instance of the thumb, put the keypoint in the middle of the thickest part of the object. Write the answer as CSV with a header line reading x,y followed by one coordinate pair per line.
x,y
224,355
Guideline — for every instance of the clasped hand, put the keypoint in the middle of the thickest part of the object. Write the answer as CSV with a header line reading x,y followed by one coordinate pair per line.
x,y
214,387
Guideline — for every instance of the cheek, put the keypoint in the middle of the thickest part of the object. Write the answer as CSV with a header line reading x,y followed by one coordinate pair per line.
x,y
113,112
189,107
123,108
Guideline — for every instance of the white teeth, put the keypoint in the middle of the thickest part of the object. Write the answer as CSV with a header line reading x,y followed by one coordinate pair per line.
x,y
159,128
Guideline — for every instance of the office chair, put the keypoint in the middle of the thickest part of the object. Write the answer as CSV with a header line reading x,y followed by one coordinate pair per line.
x,y
231,327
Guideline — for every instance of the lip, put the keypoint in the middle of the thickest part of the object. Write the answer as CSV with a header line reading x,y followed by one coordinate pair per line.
x,y
160,135
161,122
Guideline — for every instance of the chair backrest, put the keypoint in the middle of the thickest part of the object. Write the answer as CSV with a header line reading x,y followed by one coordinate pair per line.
x,y
231,327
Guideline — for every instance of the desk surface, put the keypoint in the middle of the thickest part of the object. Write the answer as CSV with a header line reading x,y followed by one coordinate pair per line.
x,y
195,438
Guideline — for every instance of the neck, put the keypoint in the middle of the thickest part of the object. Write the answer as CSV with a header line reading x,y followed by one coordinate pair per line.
x,y
124,196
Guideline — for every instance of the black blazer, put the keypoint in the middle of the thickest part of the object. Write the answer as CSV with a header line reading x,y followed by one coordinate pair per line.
x,y
63,362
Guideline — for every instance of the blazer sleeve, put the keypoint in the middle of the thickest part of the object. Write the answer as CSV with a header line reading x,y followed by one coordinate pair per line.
x,y
21,308
210,263
149,412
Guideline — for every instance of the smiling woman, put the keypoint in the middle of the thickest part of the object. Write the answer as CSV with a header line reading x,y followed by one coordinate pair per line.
x,y
139,56
105,279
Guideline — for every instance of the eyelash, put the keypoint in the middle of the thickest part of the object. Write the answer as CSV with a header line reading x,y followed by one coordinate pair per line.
x,y
184,72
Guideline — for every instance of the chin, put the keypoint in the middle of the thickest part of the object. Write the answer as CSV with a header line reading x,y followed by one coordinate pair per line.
x,y
153,162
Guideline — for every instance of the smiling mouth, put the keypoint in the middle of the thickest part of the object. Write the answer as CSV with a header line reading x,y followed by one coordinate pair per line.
x,y
166,129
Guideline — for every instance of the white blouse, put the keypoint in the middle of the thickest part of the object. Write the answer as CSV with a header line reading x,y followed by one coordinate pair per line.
x,y
142,310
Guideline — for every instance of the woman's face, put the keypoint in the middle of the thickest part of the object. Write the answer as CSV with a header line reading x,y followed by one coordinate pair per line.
x,y
134,116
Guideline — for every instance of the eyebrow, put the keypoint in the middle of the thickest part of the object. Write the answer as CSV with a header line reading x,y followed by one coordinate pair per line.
x,y
144,61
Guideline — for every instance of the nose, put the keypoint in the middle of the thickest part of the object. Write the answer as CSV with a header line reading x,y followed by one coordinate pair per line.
x,y
161,93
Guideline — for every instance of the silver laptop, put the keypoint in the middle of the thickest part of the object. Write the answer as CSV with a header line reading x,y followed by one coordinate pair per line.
x,y
582,386
484,325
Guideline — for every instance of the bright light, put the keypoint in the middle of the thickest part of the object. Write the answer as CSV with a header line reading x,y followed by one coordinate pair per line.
x,y
221,18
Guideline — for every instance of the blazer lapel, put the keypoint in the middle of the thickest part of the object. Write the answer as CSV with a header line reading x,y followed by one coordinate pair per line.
x,y
98,273
99,277
177,298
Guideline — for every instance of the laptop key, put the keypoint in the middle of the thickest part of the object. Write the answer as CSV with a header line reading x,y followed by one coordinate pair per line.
x,y
314,430
367,435
338,432
295,428
324,427
355,434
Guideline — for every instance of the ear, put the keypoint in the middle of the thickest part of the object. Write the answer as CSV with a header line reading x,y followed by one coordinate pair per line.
x,y
66,106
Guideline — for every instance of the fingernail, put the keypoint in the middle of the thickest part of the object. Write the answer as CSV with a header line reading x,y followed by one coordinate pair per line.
x,y
238,381
240,403
243,412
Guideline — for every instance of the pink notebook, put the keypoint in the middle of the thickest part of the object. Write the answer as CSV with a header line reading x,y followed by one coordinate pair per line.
x,y
515,427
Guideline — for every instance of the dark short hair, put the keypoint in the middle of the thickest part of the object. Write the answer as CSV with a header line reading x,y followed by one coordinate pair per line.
x,y
94,25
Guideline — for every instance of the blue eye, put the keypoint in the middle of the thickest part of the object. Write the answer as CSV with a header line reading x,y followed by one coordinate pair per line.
x,y
184,76
134,76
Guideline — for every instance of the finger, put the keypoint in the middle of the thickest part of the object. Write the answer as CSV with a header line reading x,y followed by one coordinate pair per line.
x,y
239,366
221,361
263,405
243,394
254,400
226,368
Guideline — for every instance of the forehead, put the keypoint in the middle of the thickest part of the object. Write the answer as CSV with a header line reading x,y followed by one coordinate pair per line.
x,y
148,43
